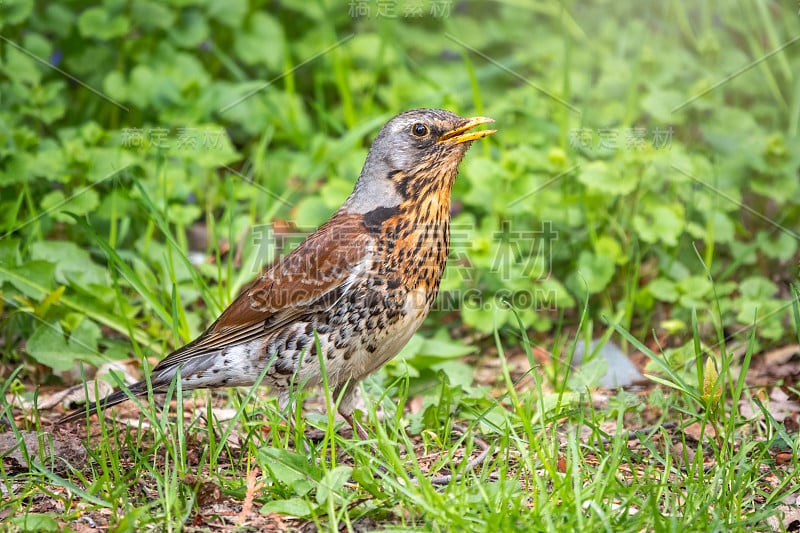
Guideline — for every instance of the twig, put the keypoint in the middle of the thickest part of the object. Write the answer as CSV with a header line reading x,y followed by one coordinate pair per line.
x,y
644,432
252,488
485,448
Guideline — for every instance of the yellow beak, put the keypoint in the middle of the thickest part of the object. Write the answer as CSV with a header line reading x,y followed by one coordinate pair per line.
x,y
460,135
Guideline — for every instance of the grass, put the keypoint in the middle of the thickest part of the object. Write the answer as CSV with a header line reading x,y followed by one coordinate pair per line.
x,y
691,269
558,461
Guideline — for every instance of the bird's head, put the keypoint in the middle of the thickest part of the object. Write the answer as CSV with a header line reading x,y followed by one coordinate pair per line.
x,y
415,150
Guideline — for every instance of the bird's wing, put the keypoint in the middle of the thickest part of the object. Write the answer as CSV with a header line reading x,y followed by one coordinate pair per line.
x,y
307,279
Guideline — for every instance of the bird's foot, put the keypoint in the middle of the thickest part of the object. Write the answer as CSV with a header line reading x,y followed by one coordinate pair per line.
x,y
358,429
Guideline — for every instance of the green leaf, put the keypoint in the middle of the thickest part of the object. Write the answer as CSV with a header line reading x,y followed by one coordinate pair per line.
x,y
604,178
34,279
311,212
766,315
458,374
660,103
332,482
128,273
594,272
551,294
720,226
658,223
445,349
47,102
37,45
39,285
18,169
36,522
431,352
48,346
72,263
49,162
141,86
13,12
778,245
49,300
98,22
116,86
695,286
588,375
205,145
151,15
60,19
199,282
663,289
106,163
757,288
82,202
183,214
9,252
485,313
24,68
230,13
609,247
261,41
86,335
291,507
290,468
483,192
190,30
411,348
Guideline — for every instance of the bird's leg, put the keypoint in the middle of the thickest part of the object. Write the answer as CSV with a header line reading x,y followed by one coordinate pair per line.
x,y
345,395
358,429
288,405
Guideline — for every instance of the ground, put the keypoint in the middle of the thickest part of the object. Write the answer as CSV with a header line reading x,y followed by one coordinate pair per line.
x,y
652,446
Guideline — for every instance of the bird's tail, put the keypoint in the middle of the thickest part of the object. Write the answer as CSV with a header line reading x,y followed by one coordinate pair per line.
x,y
137,389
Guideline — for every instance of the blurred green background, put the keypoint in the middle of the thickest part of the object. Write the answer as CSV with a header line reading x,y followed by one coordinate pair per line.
x,y
645,168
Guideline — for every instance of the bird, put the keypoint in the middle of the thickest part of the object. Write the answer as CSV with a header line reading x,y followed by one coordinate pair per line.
x,y
356,289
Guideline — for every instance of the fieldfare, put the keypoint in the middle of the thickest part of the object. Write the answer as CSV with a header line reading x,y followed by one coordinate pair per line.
x,y
357,288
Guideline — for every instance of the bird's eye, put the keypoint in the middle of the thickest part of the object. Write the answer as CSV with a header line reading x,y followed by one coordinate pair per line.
x,y
419,130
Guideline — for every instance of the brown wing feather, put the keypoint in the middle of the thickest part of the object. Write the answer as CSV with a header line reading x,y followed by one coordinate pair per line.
x,y
289,288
